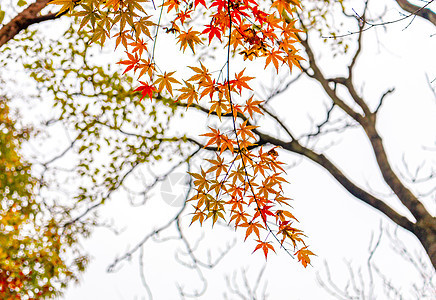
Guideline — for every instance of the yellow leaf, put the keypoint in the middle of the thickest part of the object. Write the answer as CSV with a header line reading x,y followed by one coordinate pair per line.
x,y
165,81
189,38
67,5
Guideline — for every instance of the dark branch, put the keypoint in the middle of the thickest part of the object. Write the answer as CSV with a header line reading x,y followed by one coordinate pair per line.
x,y
422,12
30,15
352,188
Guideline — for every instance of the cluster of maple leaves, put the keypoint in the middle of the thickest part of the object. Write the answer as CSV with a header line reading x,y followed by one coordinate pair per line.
x,y
244,183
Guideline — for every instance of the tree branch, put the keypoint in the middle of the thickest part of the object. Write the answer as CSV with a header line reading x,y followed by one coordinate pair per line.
x,y
295,147
368,123
424,13
319,76
24,19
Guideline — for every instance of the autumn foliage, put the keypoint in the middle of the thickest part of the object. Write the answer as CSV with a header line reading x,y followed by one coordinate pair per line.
x,y
243,184
32,263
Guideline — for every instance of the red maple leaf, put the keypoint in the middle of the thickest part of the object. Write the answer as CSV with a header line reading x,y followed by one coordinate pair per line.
x,y
213,31
202,2
131,63
146,90
264,211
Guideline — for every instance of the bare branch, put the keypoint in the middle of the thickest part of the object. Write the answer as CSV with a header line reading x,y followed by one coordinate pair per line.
x,y
249,292
430,84
319,76
142,274
422,12
276,118
361,24
414,11
380,103
278,91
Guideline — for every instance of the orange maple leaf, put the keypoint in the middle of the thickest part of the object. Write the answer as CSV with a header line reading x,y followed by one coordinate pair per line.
x,y
303,256
252,106
189,93
252,227
131,63
165,81
274,57
139,46
240,81
266,246
189,38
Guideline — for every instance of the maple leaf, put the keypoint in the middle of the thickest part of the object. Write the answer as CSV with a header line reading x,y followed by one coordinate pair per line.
x,y
227,143
295,2
266,246
221,5
281,214
280,199
146,90
218,166
146,66
252,227
237,204
184,15
202,2
172,4
289,30
245,130
200,180
67,5
202,198
238,175
213,32
215,214
259,15
303,256
165,81
292,59
282,5
273,57
202,75
240,81
142,24
236,110
198,216
238,216
138,46
265,212
115,4
215,137
88,13
131,63
189,93
100,35
217,186
290,232
209,87
252,106
218,107
122,37
189,38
